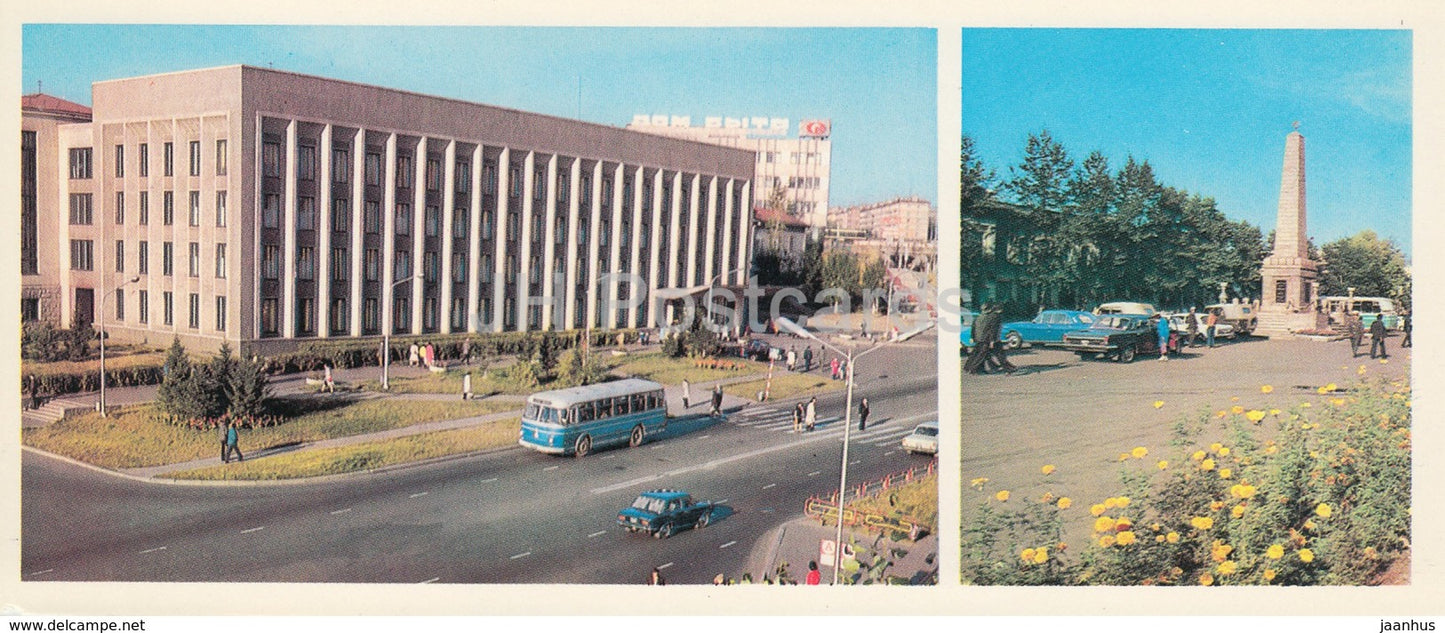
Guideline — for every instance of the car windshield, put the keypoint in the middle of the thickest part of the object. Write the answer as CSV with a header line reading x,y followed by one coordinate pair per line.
x,y
650,504
968,318
926,430
1117,322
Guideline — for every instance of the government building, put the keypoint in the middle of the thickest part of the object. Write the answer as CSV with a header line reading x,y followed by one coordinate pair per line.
x,y
266,208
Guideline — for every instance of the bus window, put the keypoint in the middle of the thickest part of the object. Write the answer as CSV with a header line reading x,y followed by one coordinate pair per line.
x,y
585,413
604,408
532,411
619,406
639,403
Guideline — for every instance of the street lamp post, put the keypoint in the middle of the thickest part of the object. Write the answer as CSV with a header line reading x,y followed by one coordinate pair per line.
x,y
851,356
386,338
101,320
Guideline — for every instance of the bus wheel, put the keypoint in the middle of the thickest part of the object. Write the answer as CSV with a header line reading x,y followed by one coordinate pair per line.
x,y
636,439
583,447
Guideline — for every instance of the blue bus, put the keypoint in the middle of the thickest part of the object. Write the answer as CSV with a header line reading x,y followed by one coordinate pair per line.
x,y
574,421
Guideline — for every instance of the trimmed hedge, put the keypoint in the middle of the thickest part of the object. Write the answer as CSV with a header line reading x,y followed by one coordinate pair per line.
x,y
61,384
313,355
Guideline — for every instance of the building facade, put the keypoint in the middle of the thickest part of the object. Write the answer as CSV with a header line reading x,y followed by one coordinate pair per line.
x,y
798,167
910,219
266,208
41,207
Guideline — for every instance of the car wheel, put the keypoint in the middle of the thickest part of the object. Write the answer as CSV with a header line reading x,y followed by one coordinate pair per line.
x,y
583,446
703,518
1126,355
663,531
1012,340
635,440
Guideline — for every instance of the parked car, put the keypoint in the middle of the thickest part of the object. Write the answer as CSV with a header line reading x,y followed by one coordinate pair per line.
x,y
923,439
1179,322
1120,337
1240,315
755,349
1048,328
662,513
965,336
1125,307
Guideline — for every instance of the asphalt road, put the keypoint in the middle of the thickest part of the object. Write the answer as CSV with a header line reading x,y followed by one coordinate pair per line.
x,y
511,516
1080,415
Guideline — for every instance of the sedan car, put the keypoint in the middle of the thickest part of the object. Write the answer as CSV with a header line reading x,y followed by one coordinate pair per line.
x,y
755,349
662,513
1048,328
923,439
1120,337
1179,322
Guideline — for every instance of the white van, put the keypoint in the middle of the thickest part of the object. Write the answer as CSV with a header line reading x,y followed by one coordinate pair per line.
x,y
1369,309
1241,315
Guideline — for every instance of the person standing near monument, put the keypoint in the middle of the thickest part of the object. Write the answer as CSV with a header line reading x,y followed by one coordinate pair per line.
x,y
1193,326
1377,337
1405,342
1356,331
1161,325
1211,322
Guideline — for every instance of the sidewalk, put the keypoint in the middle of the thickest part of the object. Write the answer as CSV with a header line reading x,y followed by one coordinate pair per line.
x,y
798,542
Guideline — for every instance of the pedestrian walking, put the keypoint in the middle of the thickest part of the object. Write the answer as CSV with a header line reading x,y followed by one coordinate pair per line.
x,y
1377,337
1193,327
798,417
814,576
686,393
978,356
32,390
717,395
223,429
997,352
431,355
1405,342
467,386
232,444
467,351
328,384
863,414
808,358
1161,325
655,578
1356,330
414,355
833,368
792,359
810,415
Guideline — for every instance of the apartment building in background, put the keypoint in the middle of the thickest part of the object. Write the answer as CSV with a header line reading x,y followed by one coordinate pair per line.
x,y
265,208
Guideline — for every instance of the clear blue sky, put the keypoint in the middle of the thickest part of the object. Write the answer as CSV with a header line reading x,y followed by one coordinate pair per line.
x,y
1209,110
878,86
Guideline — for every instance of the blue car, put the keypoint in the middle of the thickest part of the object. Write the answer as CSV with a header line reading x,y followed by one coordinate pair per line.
x,y
662,513
1048,328
965,336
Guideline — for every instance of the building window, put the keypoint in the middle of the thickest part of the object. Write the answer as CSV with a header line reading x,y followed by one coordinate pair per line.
x,y
120,207
168,208
220,208
82,255
168,157
80,209
401,268
403,172
120,161
120,256
143,264
459,267
403,219
485,264
221,262
221,171
340,264
372,217
193,320
194,259
340,210
429,313
459,313
145,160
195,199
120,304
486,225
339,316
143,298
511,269
463,177
431,264
220,313
268,316
514,181
373,264
167,258
80,163
271,160
306,213
433,221
586,191
433,174
271,211
459,223
340,165
539,184
373,169
195,158
145,208
489,178
306,162
370,315
401,314
168,307
305,263
306,315
271,261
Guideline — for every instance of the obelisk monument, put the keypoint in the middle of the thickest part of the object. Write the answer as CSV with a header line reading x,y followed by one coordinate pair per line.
x,y
1287,301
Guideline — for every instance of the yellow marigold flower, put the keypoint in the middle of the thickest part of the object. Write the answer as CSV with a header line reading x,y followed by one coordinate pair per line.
x,y
1158,404
1306,555
1106,540
1269,574
978,483
1027,555
1202,523
1139,452
1121,502
1048,469
1227,567
1220,551
1225,473
1361,371
1221,413
1274,552
1206,579
1163,464
1065,502
1198,455
1223,451
1041,555
1215,447
1266,389
1125,538
1384,361
1254,415
1237,511
1309,524
1123,457
1305,405
1159,539
1123,523
1234,399
1216,505
1207,464
1323,510
1236,409
1243,491
1274,411
1172,537
1103,524
1002,495
1339,402
1098,509
1047,498
1271,450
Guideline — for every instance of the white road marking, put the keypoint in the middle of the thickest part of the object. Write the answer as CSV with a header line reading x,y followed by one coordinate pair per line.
x,y
254,529
522,555
656,446
596,534
664,566
889,453
727,544
705,436
550,468
720,501
428,582
154,550
419,494
764,410
42,573
609,457
855,462
336,512
815,473
769,486
487,481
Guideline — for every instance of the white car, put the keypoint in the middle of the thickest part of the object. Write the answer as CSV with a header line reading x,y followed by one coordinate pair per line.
x,y
1179,323
923,439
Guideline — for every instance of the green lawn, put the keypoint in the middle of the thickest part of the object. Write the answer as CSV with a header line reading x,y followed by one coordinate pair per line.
x,y
786,385
659,367
115,359
137,436
361,457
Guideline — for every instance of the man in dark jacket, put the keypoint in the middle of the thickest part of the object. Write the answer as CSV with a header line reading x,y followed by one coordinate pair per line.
x,y
1377,338
979,355
997,352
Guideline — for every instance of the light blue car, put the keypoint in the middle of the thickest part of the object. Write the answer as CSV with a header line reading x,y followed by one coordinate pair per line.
x,y
1047,328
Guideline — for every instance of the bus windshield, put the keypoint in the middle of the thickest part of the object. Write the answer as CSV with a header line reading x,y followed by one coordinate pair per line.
x,y
549,415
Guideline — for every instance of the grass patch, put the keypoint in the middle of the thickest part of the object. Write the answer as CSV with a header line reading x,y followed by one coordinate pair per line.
x,y
659,367
917,500
450,381
115,360
785,385
137,436
362,457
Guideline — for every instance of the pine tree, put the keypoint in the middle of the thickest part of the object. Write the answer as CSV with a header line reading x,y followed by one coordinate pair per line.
x,y
249,388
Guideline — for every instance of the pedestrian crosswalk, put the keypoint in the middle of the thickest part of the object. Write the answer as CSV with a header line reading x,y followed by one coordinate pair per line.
x,y
879,432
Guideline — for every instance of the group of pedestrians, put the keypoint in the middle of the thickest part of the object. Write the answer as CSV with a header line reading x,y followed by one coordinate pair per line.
x,y
716,397
988,355
1355,331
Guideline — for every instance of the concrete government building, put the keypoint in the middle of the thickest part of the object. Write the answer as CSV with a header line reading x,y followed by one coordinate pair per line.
x,y
265,208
